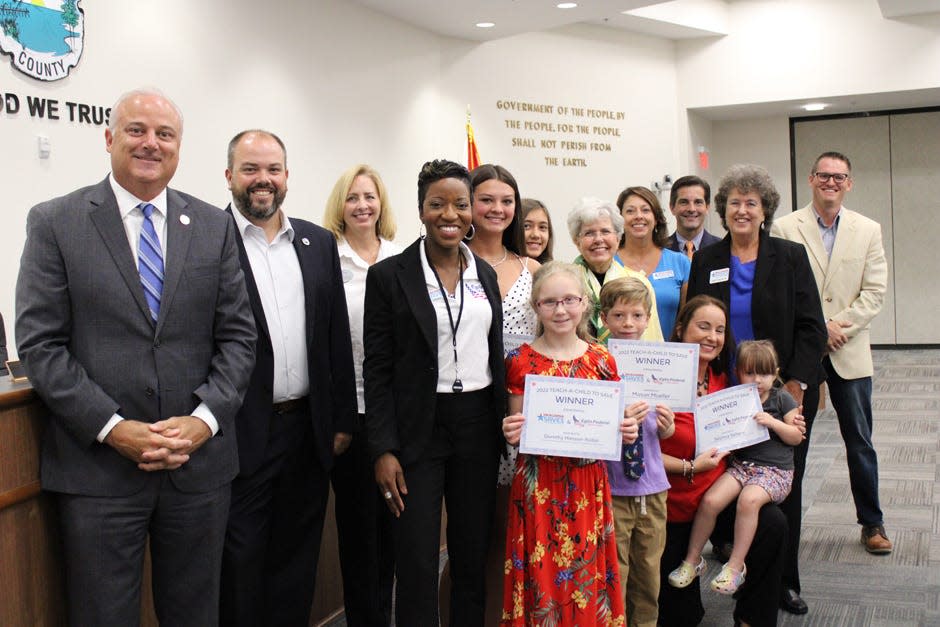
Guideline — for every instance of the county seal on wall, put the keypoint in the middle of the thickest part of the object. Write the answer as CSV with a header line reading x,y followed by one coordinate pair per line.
x,y
44,38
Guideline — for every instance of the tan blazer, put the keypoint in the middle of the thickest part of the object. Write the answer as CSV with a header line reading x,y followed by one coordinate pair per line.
x,y
852,283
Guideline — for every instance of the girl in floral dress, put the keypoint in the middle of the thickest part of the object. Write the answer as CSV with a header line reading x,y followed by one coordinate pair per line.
x,y
561,555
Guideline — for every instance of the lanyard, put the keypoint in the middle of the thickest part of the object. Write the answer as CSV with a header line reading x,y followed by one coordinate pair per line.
x,y
458,384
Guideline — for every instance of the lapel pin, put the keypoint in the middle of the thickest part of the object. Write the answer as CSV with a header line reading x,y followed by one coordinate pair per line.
x,y
305,241
184,219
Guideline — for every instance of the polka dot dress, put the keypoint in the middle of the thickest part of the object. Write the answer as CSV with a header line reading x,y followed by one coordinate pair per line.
x,y
518,318
518,315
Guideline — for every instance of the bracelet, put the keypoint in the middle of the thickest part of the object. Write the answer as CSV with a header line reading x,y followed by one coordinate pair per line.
x,y
685,472
691,471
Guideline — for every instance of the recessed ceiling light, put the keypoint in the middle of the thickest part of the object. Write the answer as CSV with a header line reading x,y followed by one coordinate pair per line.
x,y
485,24
566,5
815,106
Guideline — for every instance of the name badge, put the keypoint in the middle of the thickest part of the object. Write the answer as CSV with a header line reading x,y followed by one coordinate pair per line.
x,y
665,274
719,276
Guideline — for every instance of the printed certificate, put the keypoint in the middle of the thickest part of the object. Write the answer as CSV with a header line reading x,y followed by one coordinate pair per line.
x,y
572,417
512,341
725,419
657,372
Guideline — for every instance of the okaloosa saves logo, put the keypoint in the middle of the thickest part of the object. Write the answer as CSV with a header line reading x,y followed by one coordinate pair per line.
x,y
44,38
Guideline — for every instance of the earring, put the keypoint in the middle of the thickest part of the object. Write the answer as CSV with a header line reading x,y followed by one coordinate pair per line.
x,y
470,234
422,232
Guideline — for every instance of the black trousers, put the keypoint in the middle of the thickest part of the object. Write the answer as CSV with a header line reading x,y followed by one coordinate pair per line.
x,y
272,543
458,466
756,599
792,506
366,545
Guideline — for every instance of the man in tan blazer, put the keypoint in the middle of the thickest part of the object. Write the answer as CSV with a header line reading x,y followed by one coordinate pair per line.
x,y
848,261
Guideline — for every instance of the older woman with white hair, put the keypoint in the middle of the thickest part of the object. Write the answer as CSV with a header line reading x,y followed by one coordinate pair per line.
x,y
596,227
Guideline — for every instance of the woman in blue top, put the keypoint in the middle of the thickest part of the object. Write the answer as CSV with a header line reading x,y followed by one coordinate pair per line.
x,y
643,248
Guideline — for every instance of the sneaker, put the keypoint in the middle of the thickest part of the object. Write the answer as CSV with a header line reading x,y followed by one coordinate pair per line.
x,y
686,573
876,540
728,580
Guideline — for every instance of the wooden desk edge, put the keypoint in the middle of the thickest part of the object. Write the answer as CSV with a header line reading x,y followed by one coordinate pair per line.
x,y
13,394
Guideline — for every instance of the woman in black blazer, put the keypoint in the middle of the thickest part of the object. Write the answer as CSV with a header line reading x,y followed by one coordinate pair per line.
x,y
782,306
435,395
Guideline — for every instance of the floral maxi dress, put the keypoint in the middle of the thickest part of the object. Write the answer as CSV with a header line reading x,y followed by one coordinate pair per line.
x,y
561,554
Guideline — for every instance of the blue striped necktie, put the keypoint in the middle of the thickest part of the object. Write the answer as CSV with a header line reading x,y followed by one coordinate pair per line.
x,y
150,261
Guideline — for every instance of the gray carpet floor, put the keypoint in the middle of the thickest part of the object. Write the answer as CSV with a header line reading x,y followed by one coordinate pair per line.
x,y
842,584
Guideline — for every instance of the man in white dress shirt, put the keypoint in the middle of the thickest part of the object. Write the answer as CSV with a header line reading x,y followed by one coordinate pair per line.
x,y
301,400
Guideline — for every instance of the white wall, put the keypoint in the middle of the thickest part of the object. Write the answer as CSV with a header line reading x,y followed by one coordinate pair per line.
x,y
577,66
340,84
343,84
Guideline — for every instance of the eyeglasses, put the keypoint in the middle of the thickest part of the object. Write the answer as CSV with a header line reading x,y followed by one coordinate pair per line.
x,y
598,234
825,176
569,302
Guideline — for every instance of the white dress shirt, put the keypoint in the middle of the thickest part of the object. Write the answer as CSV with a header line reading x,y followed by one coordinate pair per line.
x,y
133,218
276,270
354,270
473,347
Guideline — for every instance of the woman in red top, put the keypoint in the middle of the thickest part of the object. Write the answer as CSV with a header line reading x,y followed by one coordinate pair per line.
x,y
704,321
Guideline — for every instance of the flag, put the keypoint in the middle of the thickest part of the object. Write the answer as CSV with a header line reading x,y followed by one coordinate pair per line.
x,y
473,157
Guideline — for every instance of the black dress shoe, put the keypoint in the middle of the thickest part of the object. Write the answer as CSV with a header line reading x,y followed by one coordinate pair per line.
x,y
790,601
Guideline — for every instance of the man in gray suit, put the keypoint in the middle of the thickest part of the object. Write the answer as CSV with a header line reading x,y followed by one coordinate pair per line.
x,y
134,324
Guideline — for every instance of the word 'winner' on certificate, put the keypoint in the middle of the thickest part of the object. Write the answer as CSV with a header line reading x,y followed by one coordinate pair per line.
x,y
658,372
572,417
725,419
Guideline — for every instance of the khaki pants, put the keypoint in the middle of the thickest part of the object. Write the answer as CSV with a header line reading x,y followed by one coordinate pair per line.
x,y
640,528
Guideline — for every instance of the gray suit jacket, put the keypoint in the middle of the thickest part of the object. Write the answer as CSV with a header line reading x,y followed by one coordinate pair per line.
x,y
91,349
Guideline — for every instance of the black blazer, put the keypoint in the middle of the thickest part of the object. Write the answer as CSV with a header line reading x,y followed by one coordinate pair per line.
x,y
332,396
400,367
707,240
785,307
